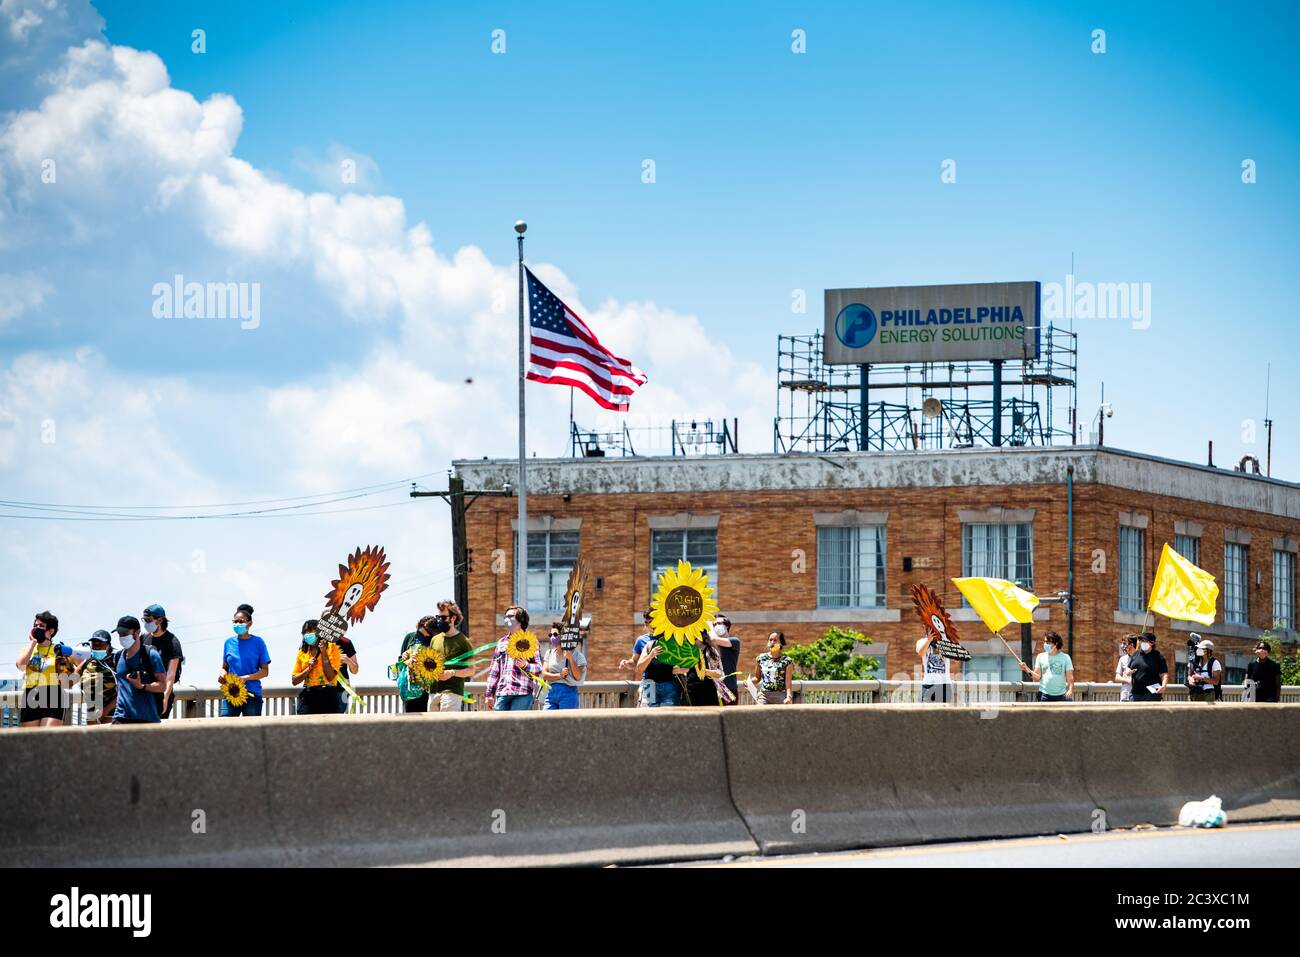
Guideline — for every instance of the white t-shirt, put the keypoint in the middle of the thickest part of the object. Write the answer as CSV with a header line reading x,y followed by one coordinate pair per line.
x,y
555,663
1125,690
938,670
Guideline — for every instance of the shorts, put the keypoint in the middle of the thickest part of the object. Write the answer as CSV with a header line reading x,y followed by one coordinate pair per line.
x,y
769,697
321,699
1052,697
43,701
561,697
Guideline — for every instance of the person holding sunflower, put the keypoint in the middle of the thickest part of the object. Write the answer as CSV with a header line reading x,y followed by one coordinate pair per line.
x,y
515,665
245,661
317,669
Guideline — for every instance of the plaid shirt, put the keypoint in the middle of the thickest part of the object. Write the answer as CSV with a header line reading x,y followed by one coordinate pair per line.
x,y
508,676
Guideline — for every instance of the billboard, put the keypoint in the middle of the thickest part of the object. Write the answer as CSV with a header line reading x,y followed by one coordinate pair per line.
x,y
982,320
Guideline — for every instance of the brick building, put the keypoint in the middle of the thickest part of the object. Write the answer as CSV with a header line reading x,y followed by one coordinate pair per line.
x,y
800,542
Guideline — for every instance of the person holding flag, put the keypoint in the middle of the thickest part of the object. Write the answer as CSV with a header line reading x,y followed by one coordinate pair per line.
x,y
1054,669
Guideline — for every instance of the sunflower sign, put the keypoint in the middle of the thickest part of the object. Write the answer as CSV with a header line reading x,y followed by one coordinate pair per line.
x,y
942,632
357,589
681,612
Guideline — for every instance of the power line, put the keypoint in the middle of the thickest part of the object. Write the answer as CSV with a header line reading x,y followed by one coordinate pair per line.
x,y
264,501
283,512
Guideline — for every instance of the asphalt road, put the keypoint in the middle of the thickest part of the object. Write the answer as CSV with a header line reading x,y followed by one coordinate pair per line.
x,y
1242,845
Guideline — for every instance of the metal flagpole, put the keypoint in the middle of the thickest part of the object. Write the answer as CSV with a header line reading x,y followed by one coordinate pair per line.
x,y
521,549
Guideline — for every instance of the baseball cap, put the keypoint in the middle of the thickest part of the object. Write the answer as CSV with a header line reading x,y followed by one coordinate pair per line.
x,y
101,635
127,623
1206,644
155,611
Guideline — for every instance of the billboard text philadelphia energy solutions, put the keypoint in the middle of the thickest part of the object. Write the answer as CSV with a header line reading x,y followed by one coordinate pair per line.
x,y
981,320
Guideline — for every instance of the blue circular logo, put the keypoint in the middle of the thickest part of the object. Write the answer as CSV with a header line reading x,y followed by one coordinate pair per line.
x,y
855,326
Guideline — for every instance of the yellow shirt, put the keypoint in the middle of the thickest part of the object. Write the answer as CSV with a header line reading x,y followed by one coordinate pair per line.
x,y
316,677
45,675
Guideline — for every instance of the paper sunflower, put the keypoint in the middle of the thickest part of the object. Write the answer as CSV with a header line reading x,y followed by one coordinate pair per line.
x,y
522,646
233,690
360,583
683,606
933,615
425,667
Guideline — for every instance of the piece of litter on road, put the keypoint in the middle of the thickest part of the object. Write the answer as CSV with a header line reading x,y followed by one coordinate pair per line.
x,y
1207,813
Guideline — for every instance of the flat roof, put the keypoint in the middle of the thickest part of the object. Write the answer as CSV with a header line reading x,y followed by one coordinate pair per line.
x,y
794,471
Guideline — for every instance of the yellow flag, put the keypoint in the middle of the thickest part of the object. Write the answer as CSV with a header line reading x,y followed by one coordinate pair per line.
x,y
997,601
1181,590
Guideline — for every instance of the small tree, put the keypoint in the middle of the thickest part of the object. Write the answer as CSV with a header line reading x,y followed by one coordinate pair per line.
x,y
831,657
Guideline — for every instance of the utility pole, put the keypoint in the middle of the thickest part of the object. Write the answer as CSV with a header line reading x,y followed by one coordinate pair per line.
x,y
457,498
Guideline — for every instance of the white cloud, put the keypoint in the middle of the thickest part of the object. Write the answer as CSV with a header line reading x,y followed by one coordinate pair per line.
x,y
147,168
340,170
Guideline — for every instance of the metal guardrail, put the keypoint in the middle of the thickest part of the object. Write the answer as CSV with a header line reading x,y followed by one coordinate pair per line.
x,y
383,699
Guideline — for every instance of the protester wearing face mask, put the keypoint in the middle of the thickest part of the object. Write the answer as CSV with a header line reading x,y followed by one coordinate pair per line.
x,y
415,699
729,651
140,676
97,674
45,665
246,655
1204,673
1126,648
160,639
706,689
637,647
1148,669
510,684
453,644
773,672
1263,676
1053,669
565,669
316,668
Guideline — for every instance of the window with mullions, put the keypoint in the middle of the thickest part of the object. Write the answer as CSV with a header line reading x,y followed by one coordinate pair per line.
x,y
1189,546
551,557
1130,569
851,566
699,546
1284,589
1234,583
998,551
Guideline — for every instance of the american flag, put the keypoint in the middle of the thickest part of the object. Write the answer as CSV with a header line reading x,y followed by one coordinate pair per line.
x,y
565,352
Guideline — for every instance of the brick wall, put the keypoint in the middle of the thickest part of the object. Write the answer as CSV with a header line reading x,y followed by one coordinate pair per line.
x,y
760,531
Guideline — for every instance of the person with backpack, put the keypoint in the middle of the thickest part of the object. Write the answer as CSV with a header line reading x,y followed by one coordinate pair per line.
x,y
317,668
140,676
442,633
168,646
97,674
1204,673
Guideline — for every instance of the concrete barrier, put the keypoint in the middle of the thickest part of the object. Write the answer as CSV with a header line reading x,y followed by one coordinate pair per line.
x,y
621,786
570,787
808,778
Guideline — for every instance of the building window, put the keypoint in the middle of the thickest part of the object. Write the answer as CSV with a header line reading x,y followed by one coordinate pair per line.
x,y
993,668
551,557
998,551
851,566
699,546
1284,589
1234,583
1189,546
1130,569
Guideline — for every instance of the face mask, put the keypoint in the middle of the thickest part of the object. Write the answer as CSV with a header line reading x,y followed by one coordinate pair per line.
x,y
441,625
151,627
309,638
98,655
241,629
555,639
1200,652
1047,647
39,634
1146,646
719,631
510,621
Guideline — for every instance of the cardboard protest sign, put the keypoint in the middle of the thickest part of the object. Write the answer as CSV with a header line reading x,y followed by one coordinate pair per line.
x,y
571,625
944,639
357,589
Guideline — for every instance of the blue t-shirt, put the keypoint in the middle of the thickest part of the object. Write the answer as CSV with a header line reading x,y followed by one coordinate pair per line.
x,y
243,656
132,704
638,645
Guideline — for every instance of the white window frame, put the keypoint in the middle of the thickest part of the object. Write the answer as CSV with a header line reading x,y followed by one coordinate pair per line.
x,y
687,534
550,581
1284,564
1005,561
1236,590
1132,568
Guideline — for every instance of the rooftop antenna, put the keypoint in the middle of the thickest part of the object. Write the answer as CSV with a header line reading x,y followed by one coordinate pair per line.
x,y
1268,423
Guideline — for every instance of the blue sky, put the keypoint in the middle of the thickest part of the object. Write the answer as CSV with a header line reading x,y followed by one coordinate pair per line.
x,y
775,171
